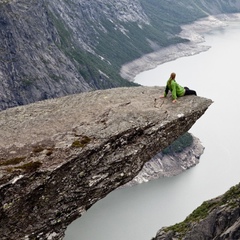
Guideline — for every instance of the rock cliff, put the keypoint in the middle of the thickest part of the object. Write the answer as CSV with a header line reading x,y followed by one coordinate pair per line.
x,y
59,156
217,219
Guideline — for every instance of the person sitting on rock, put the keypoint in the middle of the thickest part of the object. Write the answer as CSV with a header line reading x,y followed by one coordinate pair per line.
x,y
176,89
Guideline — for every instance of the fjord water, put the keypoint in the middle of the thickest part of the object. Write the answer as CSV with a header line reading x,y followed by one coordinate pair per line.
x,y
140,211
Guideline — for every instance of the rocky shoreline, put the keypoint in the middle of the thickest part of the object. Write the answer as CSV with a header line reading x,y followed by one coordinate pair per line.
x,y
193,32
169,165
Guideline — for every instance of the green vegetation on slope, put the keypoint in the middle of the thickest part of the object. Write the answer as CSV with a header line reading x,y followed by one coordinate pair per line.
x,y
165,20
88,64
122,42
180,144
229,200
119,47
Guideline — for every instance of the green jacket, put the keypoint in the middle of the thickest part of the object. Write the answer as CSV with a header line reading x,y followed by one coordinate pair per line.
x,y
175,88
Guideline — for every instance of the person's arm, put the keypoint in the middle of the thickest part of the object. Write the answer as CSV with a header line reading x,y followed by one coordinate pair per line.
x,y
165,92
174,92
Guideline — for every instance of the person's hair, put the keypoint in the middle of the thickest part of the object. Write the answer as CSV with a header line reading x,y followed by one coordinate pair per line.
x,y
173,75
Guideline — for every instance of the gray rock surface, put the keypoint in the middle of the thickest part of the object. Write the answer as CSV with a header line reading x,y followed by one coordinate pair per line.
x,y
42,41
58,157
169,165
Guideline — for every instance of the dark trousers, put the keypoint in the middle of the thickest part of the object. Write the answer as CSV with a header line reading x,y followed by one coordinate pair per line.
x,y
189,91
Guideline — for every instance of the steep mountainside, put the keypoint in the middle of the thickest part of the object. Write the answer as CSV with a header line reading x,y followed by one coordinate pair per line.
x,y
51,48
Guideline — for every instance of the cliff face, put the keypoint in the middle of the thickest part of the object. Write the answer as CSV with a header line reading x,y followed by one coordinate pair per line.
x,y
217,218
169,164
58,157
53,48
32,66
47,48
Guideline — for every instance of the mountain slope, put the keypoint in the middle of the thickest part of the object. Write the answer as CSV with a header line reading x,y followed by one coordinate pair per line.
x,y
52,48
218,219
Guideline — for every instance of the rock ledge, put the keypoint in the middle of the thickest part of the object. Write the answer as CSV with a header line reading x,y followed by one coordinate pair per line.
x,y
58,157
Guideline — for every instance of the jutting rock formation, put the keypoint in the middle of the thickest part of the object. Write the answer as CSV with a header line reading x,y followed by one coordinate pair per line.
x,y
59,156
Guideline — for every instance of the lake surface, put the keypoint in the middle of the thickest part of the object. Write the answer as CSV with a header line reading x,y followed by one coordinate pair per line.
x,y
137,213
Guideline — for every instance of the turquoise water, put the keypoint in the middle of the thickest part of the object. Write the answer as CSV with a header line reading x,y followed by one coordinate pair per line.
x,y
140,211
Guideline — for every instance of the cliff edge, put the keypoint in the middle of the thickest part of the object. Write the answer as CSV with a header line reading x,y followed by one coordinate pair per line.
x,y
59,156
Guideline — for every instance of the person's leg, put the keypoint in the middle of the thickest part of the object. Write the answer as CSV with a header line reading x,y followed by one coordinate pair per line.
x,y
189,91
